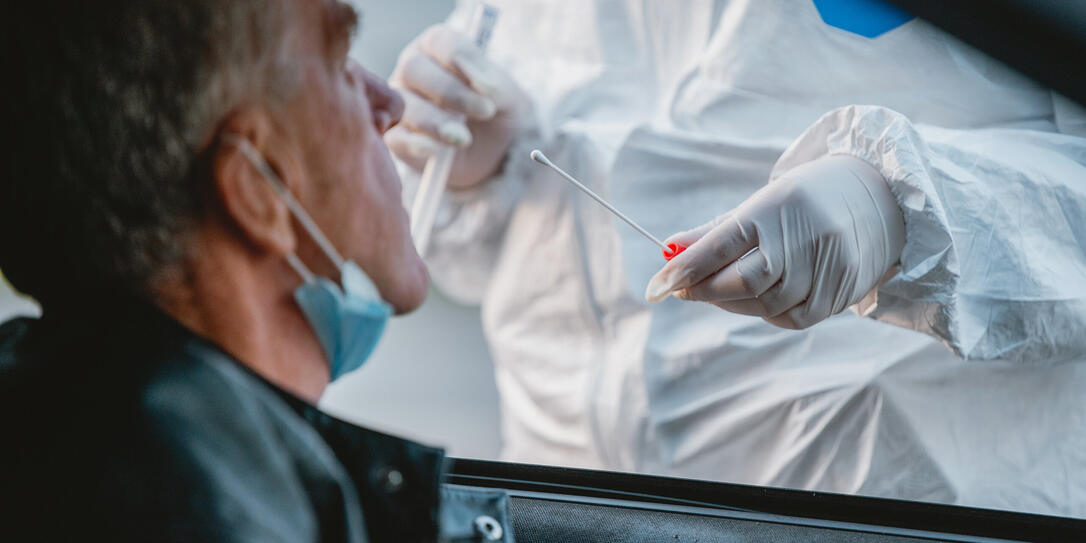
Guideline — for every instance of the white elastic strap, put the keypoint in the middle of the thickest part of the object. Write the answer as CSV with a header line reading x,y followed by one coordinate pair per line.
x,y
299,213
301,269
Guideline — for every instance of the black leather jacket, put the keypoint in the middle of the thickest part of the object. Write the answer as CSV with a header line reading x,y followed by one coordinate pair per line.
x,y
127,426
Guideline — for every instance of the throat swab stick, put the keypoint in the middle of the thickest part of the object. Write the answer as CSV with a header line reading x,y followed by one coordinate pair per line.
x,y
670,250
539,157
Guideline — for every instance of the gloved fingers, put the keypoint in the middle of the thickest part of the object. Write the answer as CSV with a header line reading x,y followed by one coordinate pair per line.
x,y
718,248
850,293
750,306
756,307
785,320
827,297
423,74
793,288
440,125
805,315
459,54
748,277
688,237
834,290
413,148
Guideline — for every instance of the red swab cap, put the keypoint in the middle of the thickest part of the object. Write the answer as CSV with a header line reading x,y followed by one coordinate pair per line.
x,y
673,250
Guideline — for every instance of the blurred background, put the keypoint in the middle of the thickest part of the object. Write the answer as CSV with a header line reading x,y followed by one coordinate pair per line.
x,y
431,378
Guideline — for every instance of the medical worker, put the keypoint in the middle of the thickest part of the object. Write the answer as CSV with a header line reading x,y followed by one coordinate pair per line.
x,y
813,155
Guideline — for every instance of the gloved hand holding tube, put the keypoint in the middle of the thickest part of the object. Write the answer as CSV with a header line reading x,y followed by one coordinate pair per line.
x,y
461,114
798,251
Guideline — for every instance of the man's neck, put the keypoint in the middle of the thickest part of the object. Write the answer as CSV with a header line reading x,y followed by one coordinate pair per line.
x,y
244,304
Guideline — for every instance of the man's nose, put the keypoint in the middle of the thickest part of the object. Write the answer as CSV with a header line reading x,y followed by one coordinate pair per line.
x,y
385,103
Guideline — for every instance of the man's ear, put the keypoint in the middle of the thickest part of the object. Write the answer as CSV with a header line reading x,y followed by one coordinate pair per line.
x,y
248,199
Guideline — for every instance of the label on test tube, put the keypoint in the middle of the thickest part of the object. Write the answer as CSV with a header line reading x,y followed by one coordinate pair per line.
x,y
486,16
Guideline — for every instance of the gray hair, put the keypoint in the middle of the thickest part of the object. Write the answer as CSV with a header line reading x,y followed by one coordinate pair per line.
x,y
111,102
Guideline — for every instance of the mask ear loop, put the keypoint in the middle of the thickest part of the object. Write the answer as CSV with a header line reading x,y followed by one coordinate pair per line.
x,y
300,269
306,221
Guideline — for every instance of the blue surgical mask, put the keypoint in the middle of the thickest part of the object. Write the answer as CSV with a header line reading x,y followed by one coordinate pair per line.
x,y
349,320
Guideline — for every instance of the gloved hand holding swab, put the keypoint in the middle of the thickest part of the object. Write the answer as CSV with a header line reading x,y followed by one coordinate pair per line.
x,y
670,250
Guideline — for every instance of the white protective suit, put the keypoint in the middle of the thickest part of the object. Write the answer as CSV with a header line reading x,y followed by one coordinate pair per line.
x,y
678,111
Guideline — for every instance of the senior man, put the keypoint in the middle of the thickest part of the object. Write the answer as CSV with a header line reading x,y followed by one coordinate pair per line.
x,y
193,184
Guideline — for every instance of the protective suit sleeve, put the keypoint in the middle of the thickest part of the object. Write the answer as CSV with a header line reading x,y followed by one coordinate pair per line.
x,y
470,224
994,262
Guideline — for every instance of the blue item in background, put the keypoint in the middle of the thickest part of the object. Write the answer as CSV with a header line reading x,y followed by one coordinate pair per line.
x,y
868,18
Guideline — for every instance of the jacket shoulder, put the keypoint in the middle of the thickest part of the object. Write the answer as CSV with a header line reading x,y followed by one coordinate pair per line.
x,y
214,428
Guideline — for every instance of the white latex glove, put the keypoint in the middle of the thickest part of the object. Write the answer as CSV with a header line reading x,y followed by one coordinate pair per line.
x,y
799,250
444,77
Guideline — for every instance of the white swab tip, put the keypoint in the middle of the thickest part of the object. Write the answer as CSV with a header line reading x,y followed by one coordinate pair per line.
x,y
539,157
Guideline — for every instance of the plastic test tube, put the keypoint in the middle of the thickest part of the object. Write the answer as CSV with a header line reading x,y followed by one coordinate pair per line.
x,y
435,176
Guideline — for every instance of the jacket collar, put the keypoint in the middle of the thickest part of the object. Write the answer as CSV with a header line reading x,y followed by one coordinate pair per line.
x,y
397,481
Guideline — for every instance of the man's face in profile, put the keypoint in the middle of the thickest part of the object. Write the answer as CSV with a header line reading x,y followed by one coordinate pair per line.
x,y
350,185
